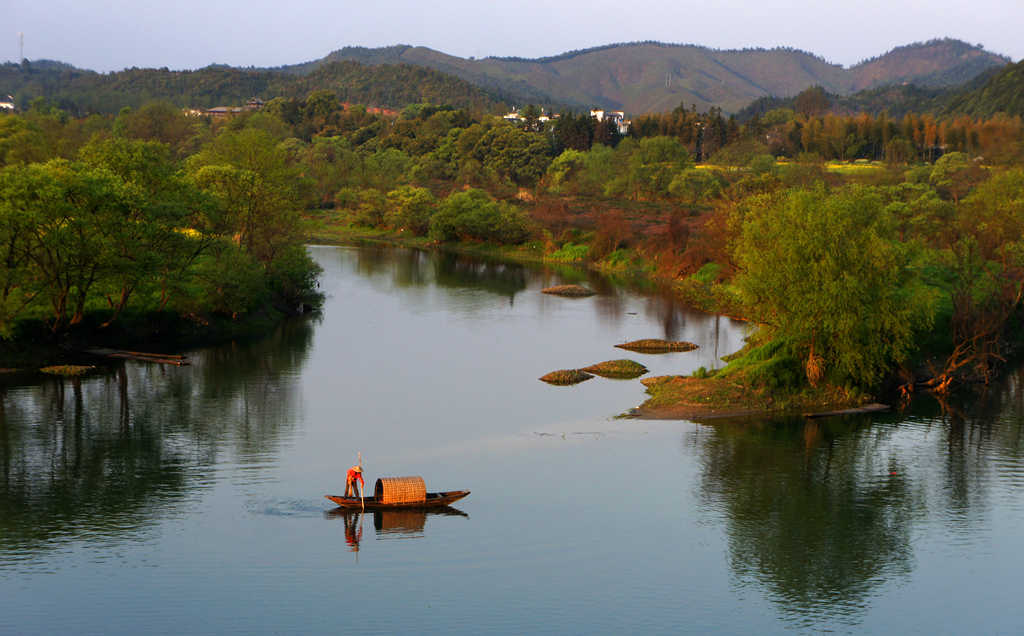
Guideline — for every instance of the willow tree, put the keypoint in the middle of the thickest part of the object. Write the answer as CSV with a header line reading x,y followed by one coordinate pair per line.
x,y
821,270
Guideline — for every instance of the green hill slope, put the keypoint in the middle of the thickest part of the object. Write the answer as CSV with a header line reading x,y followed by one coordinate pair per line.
x,y
996,90
79,91
999,92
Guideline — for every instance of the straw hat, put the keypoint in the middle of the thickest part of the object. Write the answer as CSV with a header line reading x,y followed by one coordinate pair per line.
x,y
357,468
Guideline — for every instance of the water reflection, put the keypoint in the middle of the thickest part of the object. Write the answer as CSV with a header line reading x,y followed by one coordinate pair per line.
x,y
503,279
66,469
616,303
408,268
106,455
388,524
818,513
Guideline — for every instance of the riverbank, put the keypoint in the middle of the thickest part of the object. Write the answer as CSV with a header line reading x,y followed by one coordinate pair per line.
x,y
699,291
694,398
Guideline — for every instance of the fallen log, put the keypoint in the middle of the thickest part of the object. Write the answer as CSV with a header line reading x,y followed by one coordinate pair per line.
x,y
160,358
867,408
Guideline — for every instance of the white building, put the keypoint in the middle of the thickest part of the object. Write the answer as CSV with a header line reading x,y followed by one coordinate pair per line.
x,y
617,116
8,105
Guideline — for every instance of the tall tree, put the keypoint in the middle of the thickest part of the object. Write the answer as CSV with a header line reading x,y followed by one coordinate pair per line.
x,y
821,269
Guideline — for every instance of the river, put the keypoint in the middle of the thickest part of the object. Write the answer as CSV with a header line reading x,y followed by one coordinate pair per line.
x,y
189,500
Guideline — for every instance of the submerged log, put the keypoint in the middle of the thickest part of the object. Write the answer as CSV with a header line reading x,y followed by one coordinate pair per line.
x,y
653,345
161,358
867,408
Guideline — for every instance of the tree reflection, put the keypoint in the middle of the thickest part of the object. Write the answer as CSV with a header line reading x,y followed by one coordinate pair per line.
x,y
410,268
503,279
818,513
108,454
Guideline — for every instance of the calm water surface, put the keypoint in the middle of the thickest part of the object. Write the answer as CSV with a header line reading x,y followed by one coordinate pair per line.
x,y
152,499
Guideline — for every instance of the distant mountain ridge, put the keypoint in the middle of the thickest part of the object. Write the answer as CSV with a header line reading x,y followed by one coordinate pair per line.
x,y
638,77
82,92
651,76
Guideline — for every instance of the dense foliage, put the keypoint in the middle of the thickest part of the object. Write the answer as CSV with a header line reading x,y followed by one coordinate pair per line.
x,y
117,226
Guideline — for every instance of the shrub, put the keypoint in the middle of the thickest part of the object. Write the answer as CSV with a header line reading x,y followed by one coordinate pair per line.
x,y
473,214
570,252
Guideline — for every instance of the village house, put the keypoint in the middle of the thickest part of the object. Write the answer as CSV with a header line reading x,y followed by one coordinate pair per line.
x,y
516,117
8,105
220,112
617,116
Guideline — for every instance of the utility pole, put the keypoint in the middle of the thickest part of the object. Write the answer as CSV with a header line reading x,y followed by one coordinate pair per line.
x,y
21,46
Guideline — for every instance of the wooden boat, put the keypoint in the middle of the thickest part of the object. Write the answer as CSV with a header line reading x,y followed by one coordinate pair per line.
x,y
399,492
433,500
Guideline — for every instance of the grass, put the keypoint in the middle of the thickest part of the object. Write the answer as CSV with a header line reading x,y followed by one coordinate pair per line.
x,y
654,345
565,377
617,369
680,396
569,253
67,370
858,168
673,391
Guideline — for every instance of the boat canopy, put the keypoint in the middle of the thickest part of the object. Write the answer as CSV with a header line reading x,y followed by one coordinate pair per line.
x,y
391,490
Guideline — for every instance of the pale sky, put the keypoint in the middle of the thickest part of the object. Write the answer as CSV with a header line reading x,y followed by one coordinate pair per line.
x,y
188,34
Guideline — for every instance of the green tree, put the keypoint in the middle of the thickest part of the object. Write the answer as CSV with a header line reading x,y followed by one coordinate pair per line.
x,y
18,286
73,211
821,269
513,154
653,163
473,214
410,208
954,174
155,241
258,190
696,185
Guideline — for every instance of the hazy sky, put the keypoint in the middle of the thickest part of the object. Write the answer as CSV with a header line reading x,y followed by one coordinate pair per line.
x,y
116,34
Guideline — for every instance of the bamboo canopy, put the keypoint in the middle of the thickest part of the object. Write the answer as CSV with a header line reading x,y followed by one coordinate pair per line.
x,y
400,490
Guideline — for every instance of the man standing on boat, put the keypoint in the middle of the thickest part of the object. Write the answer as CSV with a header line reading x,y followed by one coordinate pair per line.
x,y
354,473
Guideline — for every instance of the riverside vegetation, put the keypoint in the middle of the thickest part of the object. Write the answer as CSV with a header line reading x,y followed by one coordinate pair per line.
x,y
870,253
108,236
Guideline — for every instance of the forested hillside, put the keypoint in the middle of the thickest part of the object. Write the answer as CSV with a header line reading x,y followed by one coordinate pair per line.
x,y
993,92
81,92
1001,92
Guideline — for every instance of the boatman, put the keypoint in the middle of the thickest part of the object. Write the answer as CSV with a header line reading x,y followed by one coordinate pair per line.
x,y
354,473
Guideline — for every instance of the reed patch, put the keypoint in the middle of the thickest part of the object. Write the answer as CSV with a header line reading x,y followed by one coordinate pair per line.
x,y
565,377
617,369
654,345
571,291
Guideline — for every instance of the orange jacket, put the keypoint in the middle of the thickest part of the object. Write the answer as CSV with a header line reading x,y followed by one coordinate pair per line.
x,y
353,475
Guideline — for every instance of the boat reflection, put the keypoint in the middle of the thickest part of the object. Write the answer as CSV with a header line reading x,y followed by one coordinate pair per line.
x,y
388,524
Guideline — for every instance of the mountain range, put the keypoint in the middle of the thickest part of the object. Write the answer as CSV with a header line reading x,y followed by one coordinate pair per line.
x,y
643,77
638,77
